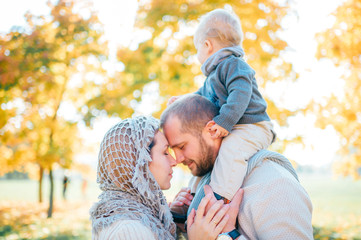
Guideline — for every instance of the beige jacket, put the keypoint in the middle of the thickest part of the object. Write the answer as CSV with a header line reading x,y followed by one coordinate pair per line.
x,y
274,205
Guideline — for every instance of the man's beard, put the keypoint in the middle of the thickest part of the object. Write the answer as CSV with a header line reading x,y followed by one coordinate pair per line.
x,y
206,160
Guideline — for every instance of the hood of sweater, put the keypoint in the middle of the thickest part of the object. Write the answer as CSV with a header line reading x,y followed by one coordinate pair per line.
x,y
211,63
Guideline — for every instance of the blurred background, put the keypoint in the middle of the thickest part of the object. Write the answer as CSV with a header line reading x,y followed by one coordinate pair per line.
x,y
70,69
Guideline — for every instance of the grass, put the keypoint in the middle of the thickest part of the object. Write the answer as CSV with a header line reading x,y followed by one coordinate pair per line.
x,y
27,220
27,190
336,205
22,217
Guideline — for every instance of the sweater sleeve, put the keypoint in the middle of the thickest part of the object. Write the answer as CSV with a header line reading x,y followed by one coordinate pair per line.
x,y
126,230
237,78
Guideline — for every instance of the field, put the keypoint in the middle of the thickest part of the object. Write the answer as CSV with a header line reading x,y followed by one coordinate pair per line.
x,y
336,204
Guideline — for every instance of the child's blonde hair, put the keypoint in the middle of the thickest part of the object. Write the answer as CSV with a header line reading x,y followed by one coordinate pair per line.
x,y
222,25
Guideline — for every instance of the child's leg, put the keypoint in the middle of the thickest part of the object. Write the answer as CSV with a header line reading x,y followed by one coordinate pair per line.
x,y
231,163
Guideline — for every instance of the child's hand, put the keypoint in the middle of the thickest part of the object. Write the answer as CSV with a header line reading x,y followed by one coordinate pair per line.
x,y
218,131
172,99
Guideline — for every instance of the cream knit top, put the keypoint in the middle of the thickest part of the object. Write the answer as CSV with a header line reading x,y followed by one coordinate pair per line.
x,y
126,230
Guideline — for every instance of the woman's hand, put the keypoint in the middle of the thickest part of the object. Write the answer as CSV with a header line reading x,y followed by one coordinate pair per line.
x,y
233,207
207,226
233,211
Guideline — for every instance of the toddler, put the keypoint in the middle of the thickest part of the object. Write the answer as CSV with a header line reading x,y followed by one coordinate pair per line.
x,y
232,86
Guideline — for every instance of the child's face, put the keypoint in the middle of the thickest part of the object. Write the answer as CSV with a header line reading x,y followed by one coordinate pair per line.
x,y
202,51
199,43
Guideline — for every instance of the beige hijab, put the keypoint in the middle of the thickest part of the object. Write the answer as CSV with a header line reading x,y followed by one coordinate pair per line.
x,y
129,188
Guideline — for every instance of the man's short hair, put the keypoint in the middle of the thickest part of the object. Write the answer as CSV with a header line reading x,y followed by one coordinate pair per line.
x,y
194,112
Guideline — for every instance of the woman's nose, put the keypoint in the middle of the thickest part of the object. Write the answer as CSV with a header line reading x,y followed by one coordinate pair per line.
x,y
173,162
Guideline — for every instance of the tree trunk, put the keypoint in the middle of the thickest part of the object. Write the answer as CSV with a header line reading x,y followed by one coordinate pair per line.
x,y
51,199
41,173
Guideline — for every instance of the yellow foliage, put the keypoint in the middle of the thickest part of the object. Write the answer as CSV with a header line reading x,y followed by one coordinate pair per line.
x,y
168,57
342,44
36,67
85,170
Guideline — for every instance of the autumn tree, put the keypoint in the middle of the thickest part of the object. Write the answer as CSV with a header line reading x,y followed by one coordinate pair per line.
x,y
165,56
47,69
342,45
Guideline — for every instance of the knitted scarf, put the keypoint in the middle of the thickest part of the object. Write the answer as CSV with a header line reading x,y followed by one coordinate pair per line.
x,y
129,190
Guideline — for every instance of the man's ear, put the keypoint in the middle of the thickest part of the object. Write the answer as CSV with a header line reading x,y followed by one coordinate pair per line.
x,y
209,125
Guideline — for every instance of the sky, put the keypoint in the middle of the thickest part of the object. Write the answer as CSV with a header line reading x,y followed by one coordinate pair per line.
x,y
318,79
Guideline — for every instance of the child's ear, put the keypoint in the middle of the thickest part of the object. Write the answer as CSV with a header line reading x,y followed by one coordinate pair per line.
x,y
209,45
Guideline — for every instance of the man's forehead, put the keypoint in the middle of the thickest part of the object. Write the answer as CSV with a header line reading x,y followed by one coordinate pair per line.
x,y
172,124
180,139
172,131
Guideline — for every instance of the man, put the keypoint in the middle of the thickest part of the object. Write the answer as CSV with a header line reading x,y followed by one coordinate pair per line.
x,y
274,206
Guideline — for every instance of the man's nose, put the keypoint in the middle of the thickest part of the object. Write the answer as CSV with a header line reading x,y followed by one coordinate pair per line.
x,y
179,157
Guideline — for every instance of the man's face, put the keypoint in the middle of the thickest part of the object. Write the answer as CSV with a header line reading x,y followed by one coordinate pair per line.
x,y
197,152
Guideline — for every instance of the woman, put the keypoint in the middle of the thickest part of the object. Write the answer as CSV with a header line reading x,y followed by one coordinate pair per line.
x,y
134,167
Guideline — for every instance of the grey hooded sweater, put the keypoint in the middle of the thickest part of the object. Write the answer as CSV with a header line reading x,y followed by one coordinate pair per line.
x,y
232,86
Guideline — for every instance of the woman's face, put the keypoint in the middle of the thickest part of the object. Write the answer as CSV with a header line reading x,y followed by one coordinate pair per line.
x,y
162,162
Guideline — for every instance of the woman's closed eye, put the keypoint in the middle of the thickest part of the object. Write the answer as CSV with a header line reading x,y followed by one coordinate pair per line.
x,y
166,151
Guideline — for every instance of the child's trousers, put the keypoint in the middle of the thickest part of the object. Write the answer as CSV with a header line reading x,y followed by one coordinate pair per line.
x,y
231,164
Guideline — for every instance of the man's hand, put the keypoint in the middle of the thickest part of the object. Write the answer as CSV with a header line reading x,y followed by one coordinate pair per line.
x,y
181,204
181,201
218,131
172,99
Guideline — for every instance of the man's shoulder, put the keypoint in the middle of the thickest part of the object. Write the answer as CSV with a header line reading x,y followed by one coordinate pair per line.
x,y
273,197
270,183
269,171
